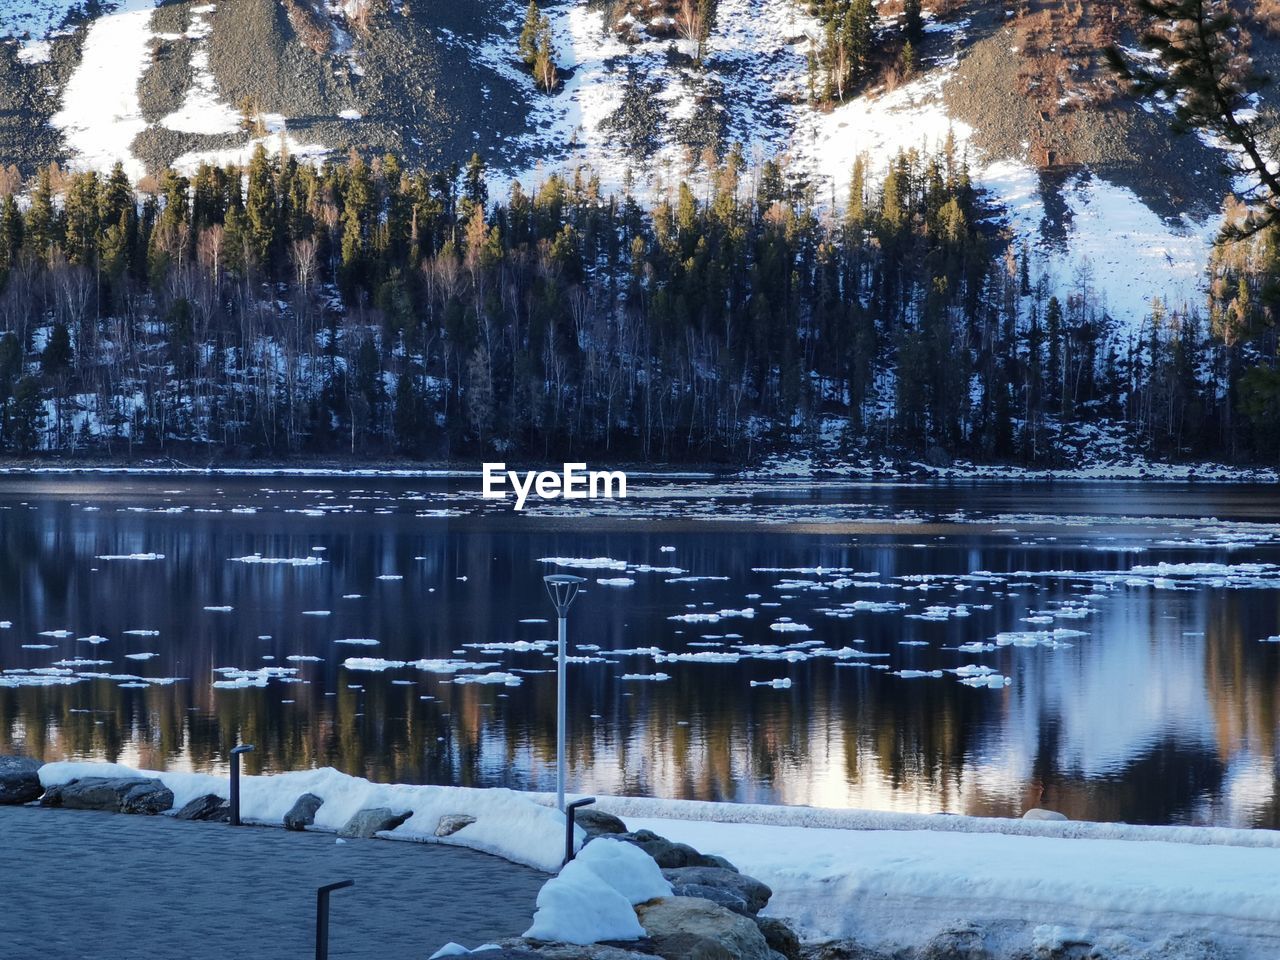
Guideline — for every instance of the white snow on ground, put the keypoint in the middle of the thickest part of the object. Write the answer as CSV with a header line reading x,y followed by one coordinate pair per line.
x,y
895,880
202,110
276,138
508,824
591,899
100,113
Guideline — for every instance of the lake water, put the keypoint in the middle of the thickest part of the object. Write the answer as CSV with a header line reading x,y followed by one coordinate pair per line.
x,y
1111,639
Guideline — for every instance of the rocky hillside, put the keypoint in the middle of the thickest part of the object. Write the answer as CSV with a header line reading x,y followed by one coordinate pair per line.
x,y
1109,208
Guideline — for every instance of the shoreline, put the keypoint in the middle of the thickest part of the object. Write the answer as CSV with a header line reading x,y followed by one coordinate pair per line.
x,y
887,473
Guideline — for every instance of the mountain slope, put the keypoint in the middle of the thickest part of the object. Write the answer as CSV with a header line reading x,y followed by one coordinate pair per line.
x,y
1109,208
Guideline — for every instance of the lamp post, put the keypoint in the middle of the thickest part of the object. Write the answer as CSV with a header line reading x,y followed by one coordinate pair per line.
x,y
562,588
235,780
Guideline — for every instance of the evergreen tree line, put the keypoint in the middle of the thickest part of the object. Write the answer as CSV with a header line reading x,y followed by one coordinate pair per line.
x,y
362,308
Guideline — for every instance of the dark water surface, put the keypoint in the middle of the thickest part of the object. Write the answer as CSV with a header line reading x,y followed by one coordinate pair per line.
x,y
1157,701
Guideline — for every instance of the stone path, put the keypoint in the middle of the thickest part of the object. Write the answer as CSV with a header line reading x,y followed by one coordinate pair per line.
x,y
80,884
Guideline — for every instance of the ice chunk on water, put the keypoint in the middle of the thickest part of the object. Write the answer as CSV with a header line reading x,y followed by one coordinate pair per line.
x,y
782,684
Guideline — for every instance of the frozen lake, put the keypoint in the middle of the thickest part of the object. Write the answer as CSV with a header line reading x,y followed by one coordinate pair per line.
x,y
968,648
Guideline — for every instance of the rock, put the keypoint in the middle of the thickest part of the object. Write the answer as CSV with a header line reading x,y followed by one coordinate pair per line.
x,y
686,928
114,794
366,823
451,823
960,943
713,860
147,797
754,893
597,823
665,852
840,950
571,951
303,812
720,895
209,807
19,780
1039,813
780,937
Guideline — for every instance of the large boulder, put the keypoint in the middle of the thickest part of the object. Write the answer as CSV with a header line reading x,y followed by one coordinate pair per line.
x,y
720,895
687,928
19,780
597,823
750,890
303,812
780,937
667,853
366,823
210,807
113,794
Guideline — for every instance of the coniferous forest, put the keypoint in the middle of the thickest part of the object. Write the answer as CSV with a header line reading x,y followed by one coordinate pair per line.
x,y
364,309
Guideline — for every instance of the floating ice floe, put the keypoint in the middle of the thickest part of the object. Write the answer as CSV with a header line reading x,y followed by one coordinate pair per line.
x,y
130,556
359,641
616,582
226,609
786,625
655,677
142,633
281,561
233,678
782,684
316,613
506,679
917,674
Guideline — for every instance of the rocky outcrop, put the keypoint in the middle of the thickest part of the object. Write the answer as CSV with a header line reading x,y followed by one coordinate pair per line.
x,y
753,894
19,780
113,794
689,928
210,807
367,823
303,812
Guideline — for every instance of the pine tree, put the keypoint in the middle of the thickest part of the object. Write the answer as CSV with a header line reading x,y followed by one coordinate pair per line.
x,y
912,20
529,34
544,63
260,208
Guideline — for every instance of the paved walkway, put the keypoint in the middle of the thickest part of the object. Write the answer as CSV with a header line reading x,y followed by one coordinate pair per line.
x,y
101,886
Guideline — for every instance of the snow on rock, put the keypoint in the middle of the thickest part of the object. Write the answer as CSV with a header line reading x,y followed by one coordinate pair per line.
x,y
591,899
101,114
507,824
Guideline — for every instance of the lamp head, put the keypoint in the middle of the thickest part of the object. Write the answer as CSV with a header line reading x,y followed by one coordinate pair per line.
x,y
563,589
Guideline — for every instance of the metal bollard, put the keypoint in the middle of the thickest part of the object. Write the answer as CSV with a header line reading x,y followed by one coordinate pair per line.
x,y
570,812
235,781
322,916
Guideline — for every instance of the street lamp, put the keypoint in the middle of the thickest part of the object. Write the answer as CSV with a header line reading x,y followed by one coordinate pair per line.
x,y
562,588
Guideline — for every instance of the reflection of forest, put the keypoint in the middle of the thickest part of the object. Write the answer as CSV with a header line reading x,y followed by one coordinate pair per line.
x,y
1142,722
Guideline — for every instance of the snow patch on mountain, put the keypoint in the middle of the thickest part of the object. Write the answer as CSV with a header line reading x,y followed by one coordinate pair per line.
x,y
202,110
101,114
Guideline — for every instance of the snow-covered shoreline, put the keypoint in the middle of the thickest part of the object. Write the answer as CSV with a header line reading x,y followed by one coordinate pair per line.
x,y
792,469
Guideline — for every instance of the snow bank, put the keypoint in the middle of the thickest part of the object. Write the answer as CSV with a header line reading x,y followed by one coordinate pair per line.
x,y
507,824
895,889
591,899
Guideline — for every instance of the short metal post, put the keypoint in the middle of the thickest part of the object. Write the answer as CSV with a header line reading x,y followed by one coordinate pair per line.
x,y
235,781
570,813
322,916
